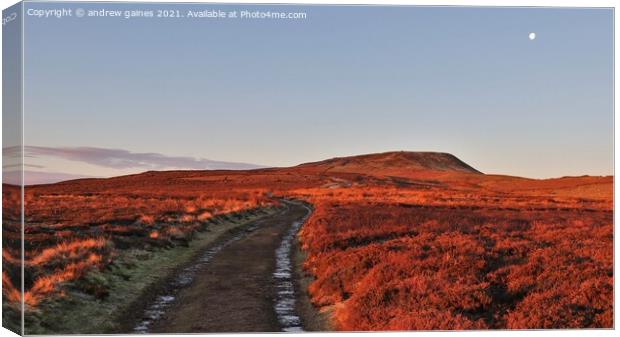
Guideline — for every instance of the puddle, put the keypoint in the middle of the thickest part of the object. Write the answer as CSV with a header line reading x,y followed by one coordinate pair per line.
x,y
285,296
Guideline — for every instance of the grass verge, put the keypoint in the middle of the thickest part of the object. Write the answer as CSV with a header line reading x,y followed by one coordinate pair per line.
x,y
313,319
128,280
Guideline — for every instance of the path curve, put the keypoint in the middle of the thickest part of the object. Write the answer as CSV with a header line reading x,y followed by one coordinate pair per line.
x,y
238,290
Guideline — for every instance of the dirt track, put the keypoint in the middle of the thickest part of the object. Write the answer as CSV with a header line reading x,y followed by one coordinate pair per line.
x,y
236,291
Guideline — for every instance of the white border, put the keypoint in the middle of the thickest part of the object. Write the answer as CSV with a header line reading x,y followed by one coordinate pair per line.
x,y
491,3
504,3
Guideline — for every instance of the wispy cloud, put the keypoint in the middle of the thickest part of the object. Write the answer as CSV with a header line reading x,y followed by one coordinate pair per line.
x,y
123,159
35,177
16,166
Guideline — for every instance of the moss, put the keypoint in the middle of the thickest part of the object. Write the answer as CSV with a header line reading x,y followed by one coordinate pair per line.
x,y
11,318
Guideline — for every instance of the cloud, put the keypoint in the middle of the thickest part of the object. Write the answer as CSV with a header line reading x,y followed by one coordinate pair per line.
x,y
123,159
14,166
35,177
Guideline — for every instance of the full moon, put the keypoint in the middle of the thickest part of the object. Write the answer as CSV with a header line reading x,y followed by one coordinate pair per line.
x,y
532,36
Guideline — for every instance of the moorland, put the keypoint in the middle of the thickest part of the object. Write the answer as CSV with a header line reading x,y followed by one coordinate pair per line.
x,y
395,241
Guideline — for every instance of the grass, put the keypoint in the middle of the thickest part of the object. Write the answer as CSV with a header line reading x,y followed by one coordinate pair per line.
x,y
125,282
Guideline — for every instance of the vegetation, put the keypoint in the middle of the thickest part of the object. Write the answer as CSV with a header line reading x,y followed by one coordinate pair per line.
x,y
394,242
394,266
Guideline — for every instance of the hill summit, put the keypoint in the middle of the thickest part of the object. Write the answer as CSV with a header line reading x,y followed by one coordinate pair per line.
x,y
401,160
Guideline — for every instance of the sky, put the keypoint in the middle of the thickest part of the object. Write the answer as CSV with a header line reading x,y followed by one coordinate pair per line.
x,y
110,96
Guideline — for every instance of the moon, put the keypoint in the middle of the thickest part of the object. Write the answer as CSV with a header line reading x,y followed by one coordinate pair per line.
x,y
532,36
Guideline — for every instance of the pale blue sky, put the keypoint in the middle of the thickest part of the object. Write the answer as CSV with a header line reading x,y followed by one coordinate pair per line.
x,y
347,80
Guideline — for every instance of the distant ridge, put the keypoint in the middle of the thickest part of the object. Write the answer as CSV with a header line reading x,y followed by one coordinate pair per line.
x,y
415,161
395,163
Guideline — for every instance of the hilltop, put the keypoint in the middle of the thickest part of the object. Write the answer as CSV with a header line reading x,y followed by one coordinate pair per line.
x,y
413,161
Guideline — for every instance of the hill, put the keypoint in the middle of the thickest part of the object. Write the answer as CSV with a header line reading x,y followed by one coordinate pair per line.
x,y
391,161
396,240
